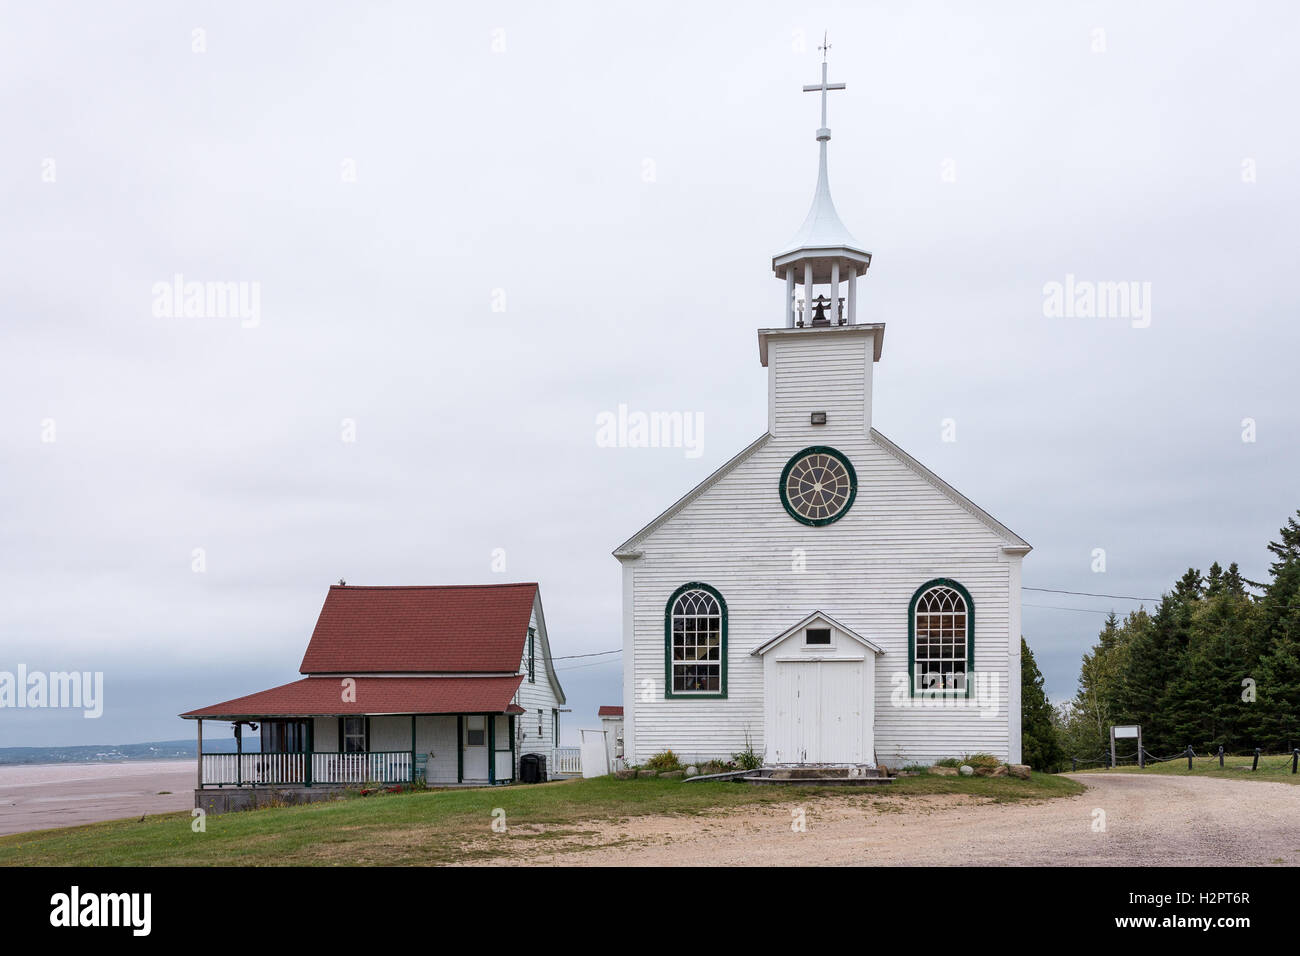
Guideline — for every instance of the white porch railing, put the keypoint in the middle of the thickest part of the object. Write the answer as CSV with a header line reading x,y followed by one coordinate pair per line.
x,y
376,767
261,770
565,760
254,769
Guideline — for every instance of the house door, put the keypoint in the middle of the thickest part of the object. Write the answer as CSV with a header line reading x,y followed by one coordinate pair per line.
x,y
476,747
817,712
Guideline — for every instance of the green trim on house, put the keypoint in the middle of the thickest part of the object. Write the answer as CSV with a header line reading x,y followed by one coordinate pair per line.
x,y
532,655
491,748
311,747
413,750
911,636
720,694
460,748
853,484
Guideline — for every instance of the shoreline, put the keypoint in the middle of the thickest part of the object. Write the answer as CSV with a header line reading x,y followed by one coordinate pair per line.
x,y
42,796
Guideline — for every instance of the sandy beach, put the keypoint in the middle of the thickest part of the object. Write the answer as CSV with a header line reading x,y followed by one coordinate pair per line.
x,y
40,796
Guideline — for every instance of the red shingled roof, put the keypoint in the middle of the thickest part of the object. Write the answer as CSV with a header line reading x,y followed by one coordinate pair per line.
x,y
444,629
609,710
322,696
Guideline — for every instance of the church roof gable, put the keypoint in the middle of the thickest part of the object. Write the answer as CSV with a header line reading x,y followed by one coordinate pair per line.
x,y
628,547
1014,541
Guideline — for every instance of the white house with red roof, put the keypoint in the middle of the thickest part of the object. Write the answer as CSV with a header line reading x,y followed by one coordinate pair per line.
x,y
446,684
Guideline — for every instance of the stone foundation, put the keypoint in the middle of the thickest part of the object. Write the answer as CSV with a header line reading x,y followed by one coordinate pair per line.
x,y
229,799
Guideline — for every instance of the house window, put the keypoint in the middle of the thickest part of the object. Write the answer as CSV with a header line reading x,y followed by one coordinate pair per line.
x,y
942,630
284,736
476,730
695,638
532,656
817,635
353,735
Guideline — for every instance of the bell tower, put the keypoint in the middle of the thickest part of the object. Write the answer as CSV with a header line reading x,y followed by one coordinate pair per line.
x,y
820,362
823,256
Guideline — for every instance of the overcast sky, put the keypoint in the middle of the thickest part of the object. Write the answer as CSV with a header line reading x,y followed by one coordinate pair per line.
x,y
475,228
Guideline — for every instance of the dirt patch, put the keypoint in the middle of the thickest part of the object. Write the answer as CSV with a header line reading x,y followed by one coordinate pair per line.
x,y
1125,820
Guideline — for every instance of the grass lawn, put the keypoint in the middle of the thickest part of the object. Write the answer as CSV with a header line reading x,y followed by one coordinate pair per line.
x,y
1274,767
448,826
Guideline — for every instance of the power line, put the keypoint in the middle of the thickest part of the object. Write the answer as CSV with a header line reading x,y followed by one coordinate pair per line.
x,y
567,657
1122,597
578,667
1054,607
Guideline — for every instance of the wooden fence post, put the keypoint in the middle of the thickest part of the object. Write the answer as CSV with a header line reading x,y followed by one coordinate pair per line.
x,y
1189,756
1255,763
1220,756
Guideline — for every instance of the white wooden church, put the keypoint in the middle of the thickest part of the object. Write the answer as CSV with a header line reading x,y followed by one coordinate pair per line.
x,y
823,597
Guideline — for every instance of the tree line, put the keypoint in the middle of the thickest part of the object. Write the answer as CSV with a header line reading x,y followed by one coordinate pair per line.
x,y
1216,663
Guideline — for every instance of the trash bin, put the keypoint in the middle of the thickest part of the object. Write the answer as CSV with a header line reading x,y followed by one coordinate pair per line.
x,y
530,768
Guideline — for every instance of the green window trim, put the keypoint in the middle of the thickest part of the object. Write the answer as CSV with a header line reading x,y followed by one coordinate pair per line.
x,y
911,636
532,656
721,693
853,484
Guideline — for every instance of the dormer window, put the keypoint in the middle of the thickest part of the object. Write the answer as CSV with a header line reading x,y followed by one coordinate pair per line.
x,y
817,637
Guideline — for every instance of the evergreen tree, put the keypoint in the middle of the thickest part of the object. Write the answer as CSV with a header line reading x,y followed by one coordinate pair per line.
x,y
1277,628
1204,705
1040,747
1157,660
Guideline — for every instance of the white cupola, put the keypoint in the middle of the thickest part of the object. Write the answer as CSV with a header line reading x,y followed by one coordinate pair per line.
x,y
823,252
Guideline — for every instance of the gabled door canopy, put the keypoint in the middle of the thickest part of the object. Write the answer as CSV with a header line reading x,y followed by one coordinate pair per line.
x,y
814,618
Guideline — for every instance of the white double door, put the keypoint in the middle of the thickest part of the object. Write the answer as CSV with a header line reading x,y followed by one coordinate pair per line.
x,y
818,712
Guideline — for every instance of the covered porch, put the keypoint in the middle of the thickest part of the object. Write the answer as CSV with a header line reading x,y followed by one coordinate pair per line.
x,y
380,731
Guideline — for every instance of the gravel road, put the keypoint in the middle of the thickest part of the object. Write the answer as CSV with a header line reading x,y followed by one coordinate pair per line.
x,y
1149,820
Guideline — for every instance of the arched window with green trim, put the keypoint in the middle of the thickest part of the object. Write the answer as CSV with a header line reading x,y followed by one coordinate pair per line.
x,y
695,642
941,638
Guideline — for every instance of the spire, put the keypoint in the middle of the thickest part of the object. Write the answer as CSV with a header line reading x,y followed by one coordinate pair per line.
x,y
823,250
822,227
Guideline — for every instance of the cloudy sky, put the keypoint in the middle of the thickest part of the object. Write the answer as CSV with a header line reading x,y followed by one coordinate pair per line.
x,y
472,230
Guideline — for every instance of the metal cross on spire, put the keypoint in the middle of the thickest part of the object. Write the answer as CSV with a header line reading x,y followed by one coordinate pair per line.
x,y
824,87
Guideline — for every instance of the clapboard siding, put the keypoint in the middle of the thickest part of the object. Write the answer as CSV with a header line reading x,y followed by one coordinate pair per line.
x,y
536,695
862,570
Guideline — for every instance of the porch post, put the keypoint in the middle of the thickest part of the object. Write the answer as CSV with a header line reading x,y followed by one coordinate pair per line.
x,y
412,781
200,753
311,746
513,761
239,754
460,748
492,748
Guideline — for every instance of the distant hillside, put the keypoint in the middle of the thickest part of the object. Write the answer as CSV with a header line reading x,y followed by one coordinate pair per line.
x,y
114,753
